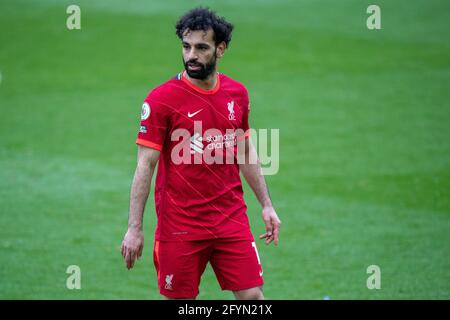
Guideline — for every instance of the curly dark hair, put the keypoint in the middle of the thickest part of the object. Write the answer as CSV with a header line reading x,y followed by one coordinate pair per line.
x,y
202,18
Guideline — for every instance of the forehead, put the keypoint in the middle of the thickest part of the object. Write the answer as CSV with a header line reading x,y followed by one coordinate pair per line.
x,y
199,36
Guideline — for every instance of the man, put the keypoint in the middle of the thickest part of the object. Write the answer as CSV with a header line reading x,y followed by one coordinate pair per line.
x,y
191,124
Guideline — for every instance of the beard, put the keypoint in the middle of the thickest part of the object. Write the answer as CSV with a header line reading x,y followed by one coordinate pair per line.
x,y
204,71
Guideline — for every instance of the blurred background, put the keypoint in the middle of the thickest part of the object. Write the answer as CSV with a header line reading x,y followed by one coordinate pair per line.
x,y
364,143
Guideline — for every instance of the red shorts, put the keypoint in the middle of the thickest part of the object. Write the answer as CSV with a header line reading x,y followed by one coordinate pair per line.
x,y
180,265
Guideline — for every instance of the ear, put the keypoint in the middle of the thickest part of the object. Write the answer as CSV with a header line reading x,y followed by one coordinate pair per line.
x,y
220,49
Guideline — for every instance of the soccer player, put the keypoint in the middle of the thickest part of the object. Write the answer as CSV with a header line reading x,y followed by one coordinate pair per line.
x,y
190,125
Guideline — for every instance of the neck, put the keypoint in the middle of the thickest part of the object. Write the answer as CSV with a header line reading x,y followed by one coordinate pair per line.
x,y
206,84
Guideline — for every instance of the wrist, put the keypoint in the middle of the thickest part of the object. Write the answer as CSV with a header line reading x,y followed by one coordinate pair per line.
x,y
267,204
137,227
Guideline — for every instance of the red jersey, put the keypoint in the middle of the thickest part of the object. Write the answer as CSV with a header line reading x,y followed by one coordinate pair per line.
x,y
197,195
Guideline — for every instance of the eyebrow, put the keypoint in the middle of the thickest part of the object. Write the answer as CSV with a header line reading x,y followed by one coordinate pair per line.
x,y
197,44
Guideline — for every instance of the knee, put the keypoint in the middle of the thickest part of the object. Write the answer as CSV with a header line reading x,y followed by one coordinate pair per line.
x,y
249,294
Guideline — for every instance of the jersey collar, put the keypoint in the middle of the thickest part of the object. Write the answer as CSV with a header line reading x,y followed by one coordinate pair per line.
x,y
198,89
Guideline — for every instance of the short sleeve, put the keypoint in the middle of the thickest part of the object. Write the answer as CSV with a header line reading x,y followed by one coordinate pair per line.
x,y
154,123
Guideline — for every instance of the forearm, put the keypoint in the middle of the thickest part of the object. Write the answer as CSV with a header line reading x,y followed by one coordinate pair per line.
x,y
140,190
253,175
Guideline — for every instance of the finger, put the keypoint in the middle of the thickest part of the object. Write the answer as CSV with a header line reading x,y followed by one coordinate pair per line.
x,y
141,248
269,229
128,259
276,236
269,239
133,258
264,236
268,223
122,250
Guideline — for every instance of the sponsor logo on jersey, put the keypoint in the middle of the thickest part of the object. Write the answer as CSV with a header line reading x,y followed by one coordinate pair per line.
x,y
196,143
190,115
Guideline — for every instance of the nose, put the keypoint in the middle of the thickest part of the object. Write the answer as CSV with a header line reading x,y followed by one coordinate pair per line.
x,y
192,54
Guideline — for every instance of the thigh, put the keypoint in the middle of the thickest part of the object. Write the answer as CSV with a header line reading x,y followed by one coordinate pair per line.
x,y
179,266
236,264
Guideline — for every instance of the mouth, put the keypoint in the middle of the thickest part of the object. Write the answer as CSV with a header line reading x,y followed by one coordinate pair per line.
x,y
194,67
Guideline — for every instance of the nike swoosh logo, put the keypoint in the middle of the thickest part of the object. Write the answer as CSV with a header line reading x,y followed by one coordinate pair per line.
x,y
190,115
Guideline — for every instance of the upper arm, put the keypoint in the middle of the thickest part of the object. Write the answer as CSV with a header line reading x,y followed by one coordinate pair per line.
x,y
247,145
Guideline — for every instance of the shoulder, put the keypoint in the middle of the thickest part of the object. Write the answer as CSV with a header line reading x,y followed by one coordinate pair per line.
x,y
164,91
235,89
230,84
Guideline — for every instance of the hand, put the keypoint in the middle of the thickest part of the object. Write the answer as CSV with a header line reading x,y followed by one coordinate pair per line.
x,y
132,246
273,224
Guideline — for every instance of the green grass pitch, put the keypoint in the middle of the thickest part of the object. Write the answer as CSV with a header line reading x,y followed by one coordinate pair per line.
x,y
364,116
